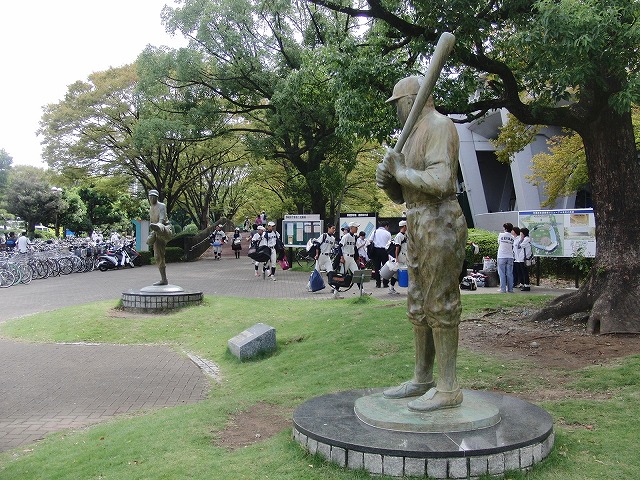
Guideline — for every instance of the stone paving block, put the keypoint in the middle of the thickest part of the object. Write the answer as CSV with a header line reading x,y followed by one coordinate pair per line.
x,y
415,467
496,464
324,450
373,463
437,467
393,466
312,446
478,465
512,460
526,456
547,445
339,456
458,468
355,460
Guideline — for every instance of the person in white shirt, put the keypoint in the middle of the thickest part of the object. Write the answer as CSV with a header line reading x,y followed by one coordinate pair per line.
x,y
400,253
523,252
218,237
348,247
361,247
326,243
272,237
380,238
115,238
258,240
505,259
23,244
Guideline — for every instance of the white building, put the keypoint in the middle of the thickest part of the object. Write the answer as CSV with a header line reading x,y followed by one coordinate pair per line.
x,y
491,192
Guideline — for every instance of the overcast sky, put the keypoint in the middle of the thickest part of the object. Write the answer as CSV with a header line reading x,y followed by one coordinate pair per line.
x,y
46,45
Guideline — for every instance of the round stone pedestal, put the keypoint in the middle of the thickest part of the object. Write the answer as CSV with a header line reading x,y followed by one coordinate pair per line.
x,y
159,298
329,425
393,414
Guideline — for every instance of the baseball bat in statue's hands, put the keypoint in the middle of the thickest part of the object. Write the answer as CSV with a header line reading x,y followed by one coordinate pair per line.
x,y
440,54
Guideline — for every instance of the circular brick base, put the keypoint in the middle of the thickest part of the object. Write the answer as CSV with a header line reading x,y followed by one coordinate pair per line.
x,y
328,426
154,302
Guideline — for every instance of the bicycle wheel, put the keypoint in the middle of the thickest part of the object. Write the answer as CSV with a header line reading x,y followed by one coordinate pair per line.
x,y
38,268
53,267
303,258
66,265
26,275
300,254
6,278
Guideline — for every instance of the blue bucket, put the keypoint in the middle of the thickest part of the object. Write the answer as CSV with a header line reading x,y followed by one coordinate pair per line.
x,y
403,277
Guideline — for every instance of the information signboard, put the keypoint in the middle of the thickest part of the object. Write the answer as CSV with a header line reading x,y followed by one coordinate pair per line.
x,y
560,233
367,222
297,230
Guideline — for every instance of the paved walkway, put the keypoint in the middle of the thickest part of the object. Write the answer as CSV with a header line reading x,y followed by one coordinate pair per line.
x,y
50,387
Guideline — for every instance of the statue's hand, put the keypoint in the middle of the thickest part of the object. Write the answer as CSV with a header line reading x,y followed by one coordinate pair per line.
x,y
383,176
393,161
388,168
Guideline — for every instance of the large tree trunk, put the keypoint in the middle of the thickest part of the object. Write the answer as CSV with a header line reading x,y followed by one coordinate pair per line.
x,y
318,200
611,294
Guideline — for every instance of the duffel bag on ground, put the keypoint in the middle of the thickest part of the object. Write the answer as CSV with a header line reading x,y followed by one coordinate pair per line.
x,y
339,280
315,281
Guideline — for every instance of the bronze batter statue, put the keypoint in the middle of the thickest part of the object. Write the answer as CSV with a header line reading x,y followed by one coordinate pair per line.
x,y
161,233
424,176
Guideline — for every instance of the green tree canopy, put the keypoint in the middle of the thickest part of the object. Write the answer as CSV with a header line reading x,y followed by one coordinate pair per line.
x,y
279,68
116,124
566,63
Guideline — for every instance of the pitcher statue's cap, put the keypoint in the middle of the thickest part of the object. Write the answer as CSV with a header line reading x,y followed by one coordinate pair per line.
x,y
260,227
402,223
153,193
271,224
354,224
404,87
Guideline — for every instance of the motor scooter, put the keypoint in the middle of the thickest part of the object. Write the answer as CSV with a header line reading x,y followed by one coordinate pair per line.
x,y
134,256
114,259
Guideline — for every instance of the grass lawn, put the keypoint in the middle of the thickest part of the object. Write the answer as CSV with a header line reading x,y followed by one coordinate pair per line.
x,y
323,347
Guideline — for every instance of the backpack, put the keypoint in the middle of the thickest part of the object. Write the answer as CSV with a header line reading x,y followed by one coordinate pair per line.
x,y
313,247
530,259
468,283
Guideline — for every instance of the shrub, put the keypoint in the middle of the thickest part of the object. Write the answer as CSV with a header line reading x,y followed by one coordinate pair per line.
x,y
190,229
487,242
146,257
174,254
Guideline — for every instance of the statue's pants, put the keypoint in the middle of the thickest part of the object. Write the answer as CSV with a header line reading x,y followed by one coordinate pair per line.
x,y
437,235
159,238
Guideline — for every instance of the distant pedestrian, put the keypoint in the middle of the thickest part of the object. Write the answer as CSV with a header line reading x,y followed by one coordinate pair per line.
x,y
11,241
517,281
399,253
23,243
505,259
272,237
217,237
236,242
258,240
325,244
525,247
348,248
380,238
361,248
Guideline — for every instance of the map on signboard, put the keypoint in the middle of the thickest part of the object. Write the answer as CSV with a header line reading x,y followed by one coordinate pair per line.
x,y
560,233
